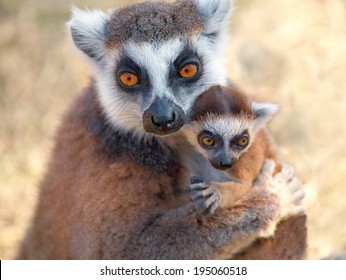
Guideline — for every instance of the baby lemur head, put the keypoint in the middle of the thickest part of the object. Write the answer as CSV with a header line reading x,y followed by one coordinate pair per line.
x,y
224,123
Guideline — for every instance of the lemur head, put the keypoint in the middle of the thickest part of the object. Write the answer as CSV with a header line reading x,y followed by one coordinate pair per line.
x,y
152,60
224,123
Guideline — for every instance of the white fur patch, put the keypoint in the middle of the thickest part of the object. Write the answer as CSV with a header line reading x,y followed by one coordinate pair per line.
x,y
216,14
156,60
227,126
86,29
264,112
119,107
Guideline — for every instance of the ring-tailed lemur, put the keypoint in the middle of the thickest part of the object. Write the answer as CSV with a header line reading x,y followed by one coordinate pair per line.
x,y
230,144
109,192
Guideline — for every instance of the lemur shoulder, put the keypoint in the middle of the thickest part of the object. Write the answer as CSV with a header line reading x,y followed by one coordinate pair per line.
x,y
109,191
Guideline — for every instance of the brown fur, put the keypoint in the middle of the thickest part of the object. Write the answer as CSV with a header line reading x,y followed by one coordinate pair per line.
x,y
248,167
153,22
101,199
289,243
290,240
220,101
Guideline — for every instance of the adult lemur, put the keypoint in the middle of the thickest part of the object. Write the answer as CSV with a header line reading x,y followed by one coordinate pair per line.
x,y
109,192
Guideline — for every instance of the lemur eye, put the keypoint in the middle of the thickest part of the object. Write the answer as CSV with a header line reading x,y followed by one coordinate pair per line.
x,y
188,71
208,141
128,79
243,141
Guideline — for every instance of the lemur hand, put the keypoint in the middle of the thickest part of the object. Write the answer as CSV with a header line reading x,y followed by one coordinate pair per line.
x,y
205,196
285,185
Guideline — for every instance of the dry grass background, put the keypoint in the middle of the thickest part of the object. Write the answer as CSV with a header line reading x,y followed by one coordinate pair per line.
x,y
289,52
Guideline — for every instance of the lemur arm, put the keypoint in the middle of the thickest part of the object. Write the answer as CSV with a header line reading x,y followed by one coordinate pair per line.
x,y
179,234
186,233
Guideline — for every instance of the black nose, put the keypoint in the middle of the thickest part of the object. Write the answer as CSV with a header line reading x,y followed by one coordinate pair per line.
x,y
163,122
226,165
222,164
163,117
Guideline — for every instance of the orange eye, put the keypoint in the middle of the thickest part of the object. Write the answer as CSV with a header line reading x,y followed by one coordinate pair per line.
x,y
242,142
129,79
188,71
208,141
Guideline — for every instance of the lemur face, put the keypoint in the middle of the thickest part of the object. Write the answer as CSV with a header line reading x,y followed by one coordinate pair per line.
x,y
221,139
152,60
224,150
224,123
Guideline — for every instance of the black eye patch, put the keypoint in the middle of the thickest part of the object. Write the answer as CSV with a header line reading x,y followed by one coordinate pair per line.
x,y
126,64
241,141
187,56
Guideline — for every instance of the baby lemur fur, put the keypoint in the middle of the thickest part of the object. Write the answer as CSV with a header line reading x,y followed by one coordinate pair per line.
x,y
222,117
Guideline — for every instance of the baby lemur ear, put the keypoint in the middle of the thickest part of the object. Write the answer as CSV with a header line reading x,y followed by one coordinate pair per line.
x,y
87,32
216,14
263,112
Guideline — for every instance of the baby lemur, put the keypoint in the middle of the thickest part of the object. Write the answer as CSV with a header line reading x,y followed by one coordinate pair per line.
x,y
228,135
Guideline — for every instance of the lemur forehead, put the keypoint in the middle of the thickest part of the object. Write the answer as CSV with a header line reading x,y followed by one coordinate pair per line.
x,y
152,22
221,101
228,124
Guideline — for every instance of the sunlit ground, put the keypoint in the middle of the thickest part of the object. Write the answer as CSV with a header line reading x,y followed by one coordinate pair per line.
x,y
289,52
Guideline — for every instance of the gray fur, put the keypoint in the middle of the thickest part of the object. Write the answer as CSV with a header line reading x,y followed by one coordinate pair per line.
x,y
87,32
153,22
215,14
263,113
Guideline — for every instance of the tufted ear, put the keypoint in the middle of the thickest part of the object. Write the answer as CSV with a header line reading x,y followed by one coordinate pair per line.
x,y
87,32
263,113
216,14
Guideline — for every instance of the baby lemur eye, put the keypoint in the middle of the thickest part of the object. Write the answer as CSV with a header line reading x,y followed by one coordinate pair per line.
x,y
128,79
243,141
207,140
188,71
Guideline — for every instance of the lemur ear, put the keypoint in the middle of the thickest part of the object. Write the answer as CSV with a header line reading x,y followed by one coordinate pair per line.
x,y
87,32
216,14
263,112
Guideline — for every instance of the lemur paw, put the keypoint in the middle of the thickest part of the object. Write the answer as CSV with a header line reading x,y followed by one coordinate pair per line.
x,y
264,177
288,188
194,179
205,197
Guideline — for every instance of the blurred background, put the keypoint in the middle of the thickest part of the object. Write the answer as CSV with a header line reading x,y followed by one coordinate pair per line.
x,y
289,52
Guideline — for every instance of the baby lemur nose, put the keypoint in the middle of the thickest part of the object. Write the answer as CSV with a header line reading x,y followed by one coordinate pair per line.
x,y
163,117
223,164
226,165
